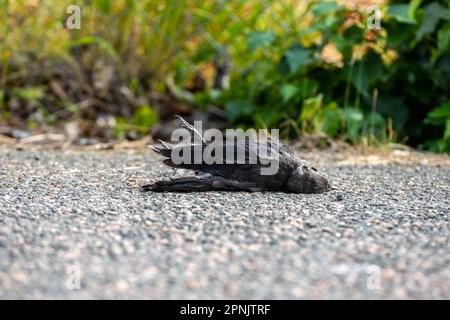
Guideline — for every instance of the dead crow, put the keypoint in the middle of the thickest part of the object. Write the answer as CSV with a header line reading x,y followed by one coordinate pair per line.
x,y
292,175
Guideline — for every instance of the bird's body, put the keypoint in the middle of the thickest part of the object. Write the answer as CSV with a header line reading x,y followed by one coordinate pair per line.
x,y
292,175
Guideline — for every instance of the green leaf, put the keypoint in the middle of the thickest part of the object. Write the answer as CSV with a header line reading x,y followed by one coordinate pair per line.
x,y
400,35
430,20
29,93
445,14
104,44
104,5
283,67
367,72
257,40
238,109
288,91
326,7
437,145
310,107
331,119
297,57
440,113
443,39
145,117
413,6
354,121
447,129
400,12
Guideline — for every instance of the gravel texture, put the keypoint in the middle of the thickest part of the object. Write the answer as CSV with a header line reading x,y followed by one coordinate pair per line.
x,y
384,233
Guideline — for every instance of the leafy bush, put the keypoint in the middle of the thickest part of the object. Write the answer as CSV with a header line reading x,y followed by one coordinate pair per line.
x,y
303,66
337,76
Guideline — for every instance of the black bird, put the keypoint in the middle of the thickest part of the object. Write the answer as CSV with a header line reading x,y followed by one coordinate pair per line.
x,y
292,176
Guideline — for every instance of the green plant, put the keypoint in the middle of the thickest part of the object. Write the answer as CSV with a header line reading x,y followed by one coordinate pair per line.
x,y
334,74
440,117
303,66
143,119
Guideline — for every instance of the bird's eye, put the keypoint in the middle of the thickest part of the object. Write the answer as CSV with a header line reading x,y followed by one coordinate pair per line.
x,y
314,169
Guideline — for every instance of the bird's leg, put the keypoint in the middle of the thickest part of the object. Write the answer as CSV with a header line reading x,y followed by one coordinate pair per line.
x,y
190,128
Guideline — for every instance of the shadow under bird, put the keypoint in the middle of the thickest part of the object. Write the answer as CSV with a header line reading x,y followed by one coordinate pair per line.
x,y
292,176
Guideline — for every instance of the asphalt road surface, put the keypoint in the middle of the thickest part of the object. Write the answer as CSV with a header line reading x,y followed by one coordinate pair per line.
x,y
75,225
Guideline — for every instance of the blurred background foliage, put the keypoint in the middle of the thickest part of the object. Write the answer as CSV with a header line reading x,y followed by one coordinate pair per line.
x,y
303,66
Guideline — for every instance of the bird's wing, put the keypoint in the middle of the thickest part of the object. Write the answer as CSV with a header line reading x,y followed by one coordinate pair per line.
x,y
236,170
247,149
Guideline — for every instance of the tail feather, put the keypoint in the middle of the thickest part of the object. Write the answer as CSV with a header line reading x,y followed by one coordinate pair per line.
x,y
188,184
198,183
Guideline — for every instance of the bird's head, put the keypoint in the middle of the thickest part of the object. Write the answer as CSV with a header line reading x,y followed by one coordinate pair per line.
x,y
307,180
